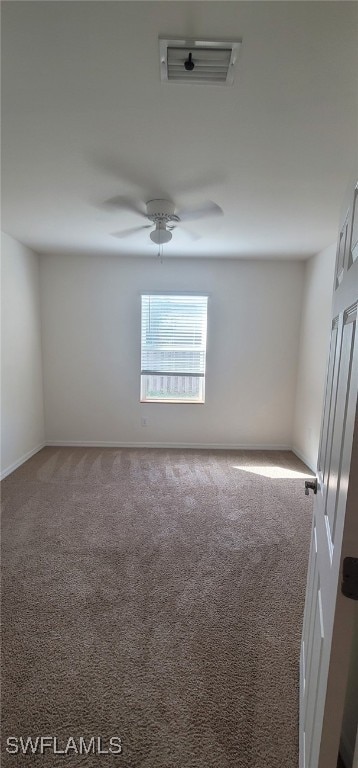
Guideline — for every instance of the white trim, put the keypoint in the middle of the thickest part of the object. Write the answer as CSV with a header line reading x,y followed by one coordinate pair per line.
x,y
209,446
304,458
196,294
7,471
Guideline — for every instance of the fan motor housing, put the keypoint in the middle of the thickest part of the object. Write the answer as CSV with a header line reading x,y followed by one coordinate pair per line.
x,y
161,211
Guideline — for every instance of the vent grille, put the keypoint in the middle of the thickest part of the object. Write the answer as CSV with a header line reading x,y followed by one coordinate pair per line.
x,y
214,62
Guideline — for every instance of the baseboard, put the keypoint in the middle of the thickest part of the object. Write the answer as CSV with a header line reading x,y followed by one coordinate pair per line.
x,y
303,458
201,446
21,460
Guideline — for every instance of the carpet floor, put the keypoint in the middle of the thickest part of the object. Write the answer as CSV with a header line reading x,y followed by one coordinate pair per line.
x,y
156,596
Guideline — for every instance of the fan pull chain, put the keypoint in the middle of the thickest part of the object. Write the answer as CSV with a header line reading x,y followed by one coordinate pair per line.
x,y
160,252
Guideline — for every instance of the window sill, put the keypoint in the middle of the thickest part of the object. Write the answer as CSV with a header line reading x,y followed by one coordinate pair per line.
x,y
166,401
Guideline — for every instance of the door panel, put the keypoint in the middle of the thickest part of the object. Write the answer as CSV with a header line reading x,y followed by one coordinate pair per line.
x,y
353,248
312,649
344,384
314,672
330,397
342,250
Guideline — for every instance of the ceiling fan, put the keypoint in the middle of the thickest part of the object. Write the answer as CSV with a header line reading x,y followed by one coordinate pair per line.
x,y
163,215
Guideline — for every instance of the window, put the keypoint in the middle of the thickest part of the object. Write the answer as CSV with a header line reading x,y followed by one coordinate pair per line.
x,y
173,350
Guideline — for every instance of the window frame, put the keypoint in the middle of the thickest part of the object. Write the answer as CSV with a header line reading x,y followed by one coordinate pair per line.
x,y
175,401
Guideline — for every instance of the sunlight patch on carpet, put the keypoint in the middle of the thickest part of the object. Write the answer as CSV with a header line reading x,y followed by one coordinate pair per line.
x,y
276,473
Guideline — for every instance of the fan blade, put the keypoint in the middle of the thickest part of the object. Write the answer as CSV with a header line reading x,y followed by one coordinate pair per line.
x,y
192,235
118,168
206,181
206,210
131,231
123,203
147,183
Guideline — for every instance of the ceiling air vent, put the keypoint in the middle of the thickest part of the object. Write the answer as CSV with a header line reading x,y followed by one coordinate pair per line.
x,y
198,61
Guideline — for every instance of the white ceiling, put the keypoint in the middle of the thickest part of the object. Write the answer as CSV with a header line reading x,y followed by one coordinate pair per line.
x,y
86,118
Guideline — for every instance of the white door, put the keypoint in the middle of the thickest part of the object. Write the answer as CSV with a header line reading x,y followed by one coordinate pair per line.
x,y
328,618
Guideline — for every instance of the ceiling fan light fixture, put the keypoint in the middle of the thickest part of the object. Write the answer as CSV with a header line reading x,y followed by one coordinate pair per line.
x,y
161,213
160,234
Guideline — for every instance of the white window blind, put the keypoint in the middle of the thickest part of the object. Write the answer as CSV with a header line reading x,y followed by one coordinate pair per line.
x,y
173,350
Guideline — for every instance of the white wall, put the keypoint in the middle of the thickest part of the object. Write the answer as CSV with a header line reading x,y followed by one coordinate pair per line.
x,y
91,341
314,342
22,413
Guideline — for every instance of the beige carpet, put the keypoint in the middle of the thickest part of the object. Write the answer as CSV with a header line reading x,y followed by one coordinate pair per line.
x,y
157,596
